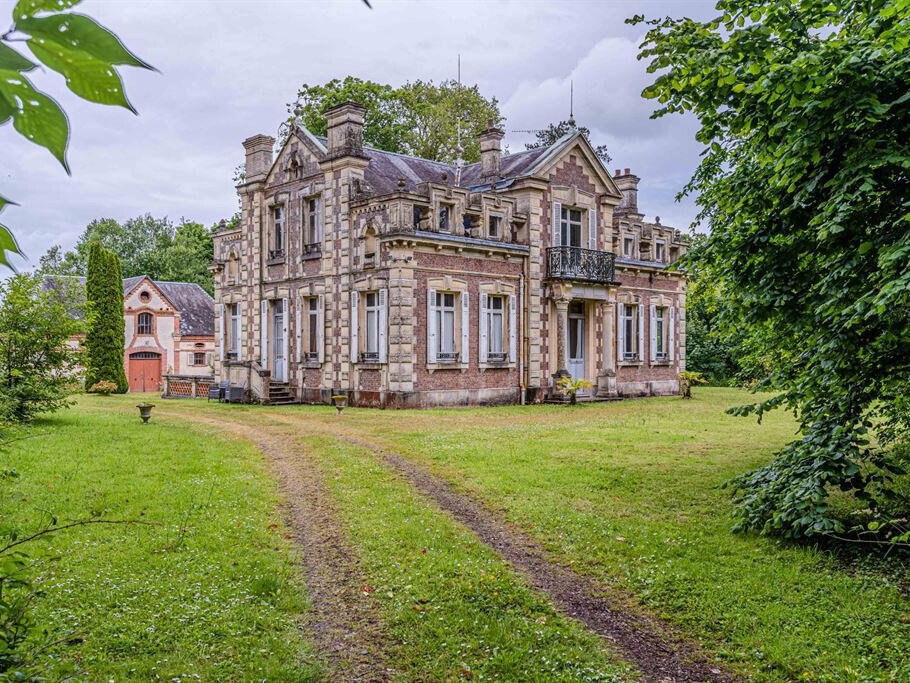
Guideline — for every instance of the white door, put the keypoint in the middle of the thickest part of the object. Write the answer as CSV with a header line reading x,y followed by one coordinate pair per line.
x,y
280,362
577,340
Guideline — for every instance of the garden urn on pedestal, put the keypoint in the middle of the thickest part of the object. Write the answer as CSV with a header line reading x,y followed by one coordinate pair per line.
x,y
145,411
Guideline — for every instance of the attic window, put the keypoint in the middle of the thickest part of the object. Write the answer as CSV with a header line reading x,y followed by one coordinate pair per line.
x,y
199,345
471,225
421,214
144,297
445,217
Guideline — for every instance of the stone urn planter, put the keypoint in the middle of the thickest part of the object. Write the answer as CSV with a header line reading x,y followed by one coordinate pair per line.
x,y
145,411
340,402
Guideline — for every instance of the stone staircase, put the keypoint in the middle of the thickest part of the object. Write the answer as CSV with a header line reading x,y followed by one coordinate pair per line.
x,y
280,394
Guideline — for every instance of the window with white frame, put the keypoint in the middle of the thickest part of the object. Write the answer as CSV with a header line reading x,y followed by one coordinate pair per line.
x,y
496,325
371,321
570,227
495,226
312,328
310,210
660,251
233,311
199,358
278,245
628,246
445,327
660,333
629,321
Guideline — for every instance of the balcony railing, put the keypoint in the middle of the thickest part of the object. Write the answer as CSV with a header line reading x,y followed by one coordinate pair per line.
x,y
575,263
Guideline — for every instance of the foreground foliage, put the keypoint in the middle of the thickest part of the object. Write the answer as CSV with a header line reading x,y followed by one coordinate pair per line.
x,y
805,114
85,53
35,358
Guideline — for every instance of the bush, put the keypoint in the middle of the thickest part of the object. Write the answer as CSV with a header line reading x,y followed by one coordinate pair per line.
x,y
104,387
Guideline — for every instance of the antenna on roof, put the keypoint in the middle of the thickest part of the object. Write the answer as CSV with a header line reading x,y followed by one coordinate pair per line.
x,y
572,103
459,162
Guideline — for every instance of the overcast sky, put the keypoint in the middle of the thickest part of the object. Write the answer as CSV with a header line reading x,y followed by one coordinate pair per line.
x,y
228,68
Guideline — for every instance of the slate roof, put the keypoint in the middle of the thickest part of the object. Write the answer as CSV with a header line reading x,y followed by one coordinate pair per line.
x,y
196,307
387,167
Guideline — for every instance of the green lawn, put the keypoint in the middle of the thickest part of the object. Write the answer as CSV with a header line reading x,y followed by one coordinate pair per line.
x,y
207,591
627,492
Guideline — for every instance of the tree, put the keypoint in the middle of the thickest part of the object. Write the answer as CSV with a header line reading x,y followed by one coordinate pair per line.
x,y
75,46
418,118
104,339
36,357
804,108
188,258
554,131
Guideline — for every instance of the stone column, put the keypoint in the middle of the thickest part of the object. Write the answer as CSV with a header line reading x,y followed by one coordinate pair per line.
x,y
606,382
561,293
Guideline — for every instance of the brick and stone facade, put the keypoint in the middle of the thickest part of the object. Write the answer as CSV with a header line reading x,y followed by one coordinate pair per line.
x,y
398,281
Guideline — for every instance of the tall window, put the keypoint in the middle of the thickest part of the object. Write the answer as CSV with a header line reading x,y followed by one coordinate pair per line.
x,y
371,349
445,217
630,331
660,249
145,323
278,223
628,245
234,331
445,326
312,352
660,345
311,224
495,327
570,228
495,226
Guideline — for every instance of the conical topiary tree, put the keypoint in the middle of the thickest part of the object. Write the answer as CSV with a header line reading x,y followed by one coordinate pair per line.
x,y
105,337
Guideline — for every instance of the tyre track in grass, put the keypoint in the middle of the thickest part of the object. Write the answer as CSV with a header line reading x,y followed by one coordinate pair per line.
x,y
646,642
345,624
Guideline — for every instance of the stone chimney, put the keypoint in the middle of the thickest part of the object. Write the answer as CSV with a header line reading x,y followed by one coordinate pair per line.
x,y
258,156
627,183
490,150
345,129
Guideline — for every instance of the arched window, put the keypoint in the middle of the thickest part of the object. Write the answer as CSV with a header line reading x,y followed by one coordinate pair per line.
x,y
145,323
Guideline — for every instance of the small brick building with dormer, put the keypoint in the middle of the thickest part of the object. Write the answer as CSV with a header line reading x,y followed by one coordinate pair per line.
x,y
400,281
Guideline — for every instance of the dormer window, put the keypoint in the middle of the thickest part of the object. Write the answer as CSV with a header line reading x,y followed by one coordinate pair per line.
x,y
277,250
494,229
660,251
471,225
628,246
421,218
444,223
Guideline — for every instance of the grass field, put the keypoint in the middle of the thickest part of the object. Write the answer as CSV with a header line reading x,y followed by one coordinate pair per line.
x,y
628,493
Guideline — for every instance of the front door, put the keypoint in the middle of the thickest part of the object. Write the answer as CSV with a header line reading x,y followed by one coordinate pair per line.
x,y
280,364
145,371
577,340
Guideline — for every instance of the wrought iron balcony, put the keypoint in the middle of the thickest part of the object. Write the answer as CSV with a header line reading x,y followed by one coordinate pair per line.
x,y
575,263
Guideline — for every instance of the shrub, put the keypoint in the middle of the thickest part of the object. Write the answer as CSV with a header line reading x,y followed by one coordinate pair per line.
x,y
104,340
104,387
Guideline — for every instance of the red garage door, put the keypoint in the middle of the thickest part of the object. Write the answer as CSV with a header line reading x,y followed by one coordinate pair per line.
x,y
145,371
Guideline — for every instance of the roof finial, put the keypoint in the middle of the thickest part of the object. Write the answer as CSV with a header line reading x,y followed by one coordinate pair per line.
x,y
459,162
572,104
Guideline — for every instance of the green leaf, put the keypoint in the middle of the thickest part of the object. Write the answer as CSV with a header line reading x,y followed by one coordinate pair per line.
x,y
6,111
10,59
864,247
79,32
38,117
7,243
90,78
29,8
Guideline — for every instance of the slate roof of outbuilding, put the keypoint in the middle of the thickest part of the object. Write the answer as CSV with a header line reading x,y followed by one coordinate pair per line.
x,y
196,307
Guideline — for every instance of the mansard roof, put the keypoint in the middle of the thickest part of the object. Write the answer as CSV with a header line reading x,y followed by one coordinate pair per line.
x,y
196,307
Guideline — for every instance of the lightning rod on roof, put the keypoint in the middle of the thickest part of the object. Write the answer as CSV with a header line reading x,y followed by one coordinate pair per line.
x,y
572,103
459,162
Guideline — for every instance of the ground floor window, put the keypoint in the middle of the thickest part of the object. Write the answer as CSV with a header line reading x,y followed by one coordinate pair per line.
x,y
445,326
660,332
495,328
312,314
371,318
629,330
233,331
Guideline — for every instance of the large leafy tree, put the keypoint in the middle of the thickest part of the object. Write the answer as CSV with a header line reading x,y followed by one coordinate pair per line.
x,y
804,108
36,356
104,339
85,53
420,118
549,135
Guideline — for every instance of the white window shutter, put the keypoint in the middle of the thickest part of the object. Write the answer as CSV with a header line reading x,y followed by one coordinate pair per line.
x,y
264,333
383,325
465,328
221,328
320,328
641,332
513,329
431,326
557,217
620,330
653,350
482,325
320,229
355,315
240,307
672,344
298,331
284,334
592,228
